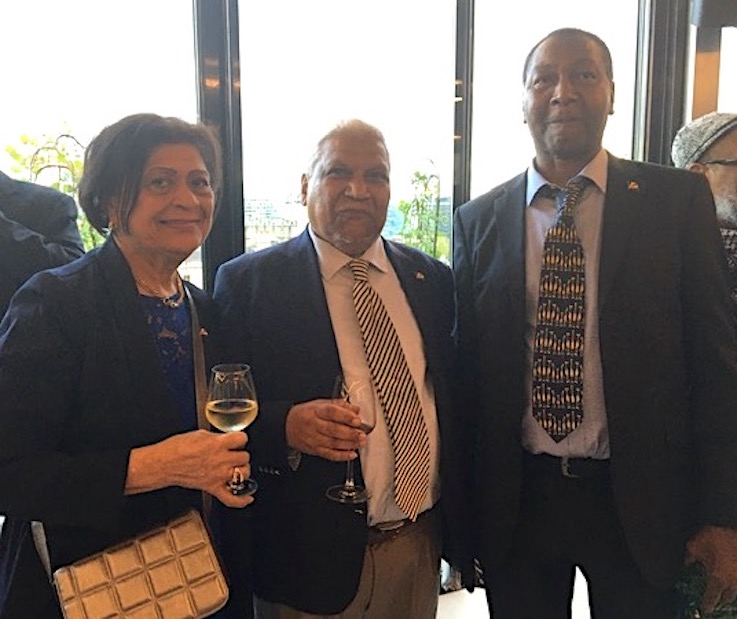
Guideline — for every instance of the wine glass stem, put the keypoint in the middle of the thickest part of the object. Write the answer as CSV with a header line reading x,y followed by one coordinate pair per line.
x,y
349,481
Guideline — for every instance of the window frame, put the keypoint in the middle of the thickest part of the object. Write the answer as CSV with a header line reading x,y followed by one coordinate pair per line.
x,y
660,101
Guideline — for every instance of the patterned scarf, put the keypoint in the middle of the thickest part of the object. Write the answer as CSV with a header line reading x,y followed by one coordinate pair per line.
x,y
729,238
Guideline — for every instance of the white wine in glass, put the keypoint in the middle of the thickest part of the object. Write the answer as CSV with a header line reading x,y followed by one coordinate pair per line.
x,y
231,415
232,406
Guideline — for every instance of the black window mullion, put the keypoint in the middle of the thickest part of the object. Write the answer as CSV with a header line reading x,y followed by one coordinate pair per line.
x,y
662,56
218,98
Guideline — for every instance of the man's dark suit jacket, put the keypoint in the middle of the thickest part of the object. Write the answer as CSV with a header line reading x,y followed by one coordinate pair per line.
x,y
667,350
308,549
38,230
81,385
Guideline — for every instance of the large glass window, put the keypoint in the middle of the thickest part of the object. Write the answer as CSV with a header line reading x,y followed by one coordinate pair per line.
x,y
70,68
727,70
504,34
307,65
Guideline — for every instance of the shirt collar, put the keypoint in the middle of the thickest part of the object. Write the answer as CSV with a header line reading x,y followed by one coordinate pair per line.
x,y
595,170
332,260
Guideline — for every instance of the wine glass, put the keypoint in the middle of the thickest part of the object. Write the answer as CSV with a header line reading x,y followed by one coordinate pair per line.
x,y
232,406
349,492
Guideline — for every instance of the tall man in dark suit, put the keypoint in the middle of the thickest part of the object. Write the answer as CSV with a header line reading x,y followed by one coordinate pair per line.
x,y
289,311
38,230
601,386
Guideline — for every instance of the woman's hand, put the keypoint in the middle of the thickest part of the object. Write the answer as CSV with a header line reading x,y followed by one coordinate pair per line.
x,y
200,460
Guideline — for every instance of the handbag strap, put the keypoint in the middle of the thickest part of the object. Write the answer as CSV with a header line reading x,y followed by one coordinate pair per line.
x,y
198,354
39,541
200,384
200,387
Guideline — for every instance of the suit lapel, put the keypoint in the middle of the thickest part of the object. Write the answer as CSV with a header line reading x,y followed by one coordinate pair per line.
x,y
143,368
511,214
624,194
412,280
425,307
408,275
307,285
309,280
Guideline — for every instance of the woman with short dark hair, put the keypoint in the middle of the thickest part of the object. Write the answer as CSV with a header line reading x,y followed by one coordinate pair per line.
x,y
98,423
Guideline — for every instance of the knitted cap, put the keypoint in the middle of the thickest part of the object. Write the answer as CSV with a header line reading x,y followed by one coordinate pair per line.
x,y
695,138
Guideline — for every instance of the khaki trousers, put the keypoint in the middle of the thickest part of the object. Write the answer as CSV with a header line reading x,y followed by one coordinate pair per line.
x,y
400,578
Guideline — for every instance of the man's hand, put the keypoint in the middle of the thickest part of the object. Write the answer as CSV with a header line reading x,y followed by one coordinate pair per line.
x,y
716,549
326,428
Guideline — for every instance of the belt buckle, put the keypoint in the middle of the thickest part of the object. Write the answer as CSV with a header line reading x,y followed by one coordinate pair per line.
x,y
565,468
390,527
385,532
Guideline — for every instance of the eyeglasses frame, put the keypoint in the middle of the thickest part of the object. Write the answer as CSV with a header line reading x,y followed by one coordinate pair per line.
x,y
724,162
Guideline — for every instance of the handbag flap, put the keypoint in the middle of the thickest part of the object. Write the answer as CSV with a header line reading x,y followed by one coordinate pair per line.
x,y
171,572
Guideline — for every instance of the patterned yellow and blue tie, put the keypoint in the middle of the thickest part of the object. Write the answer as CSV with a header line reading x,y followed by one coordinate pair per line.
x,y
397,394
557,362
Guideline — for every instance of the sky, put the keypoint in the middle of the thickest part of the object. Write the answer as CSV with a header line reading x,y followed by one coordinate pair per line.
x,y
80,65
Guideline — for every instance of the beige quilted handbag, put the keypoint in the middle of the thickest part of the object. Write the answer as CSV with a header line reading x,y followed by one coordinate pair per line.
x,y
171,572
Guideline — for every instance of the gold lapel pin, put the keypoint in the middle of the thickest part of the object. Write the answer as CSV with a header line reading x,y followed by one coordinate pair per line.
x,y
633,186
420,275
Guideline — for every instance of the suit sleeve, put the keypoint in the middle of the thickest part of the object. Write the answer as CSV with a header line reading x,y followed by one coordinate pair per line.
x,y
465,334
51,241
709,333
39,377
267,436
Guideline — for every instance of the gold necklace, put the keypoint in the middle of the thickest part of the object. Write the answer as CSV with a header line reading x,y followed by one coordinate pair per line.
x,y
172,302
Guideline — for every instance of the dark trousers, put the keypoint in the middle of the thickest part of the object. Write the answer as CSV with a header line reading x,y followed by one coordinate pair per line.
x,y
24,584
566,523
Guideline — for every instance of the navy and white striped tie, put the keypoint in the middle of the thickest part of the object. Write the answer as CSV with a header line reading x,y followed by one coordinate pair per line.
x,y
397,394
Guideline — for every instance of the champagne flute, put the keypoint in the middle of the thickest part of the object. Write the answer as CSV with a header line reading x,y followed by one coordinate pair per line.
x,y
232,406
350,492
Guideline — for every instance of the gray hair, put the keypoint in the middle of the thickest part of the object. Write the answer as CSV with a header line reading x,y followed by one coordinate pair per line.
x,y
352,126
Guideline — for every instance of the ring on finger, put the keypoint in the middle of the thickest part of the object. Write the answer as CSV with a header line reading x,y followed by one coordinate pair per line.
x,y
237,477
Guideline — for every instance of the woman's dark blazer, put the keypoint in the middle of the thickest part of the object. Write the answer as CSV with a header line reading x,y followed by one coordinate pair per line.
x,y
80,386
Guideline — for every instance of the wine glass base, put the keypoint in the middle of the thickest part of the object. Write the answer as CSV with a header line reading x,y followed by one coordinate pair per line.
x,y
245,488
347,495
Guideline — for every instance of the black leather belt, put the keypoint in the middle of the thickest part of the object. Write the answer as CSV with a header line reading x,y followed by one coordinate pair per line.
x,y
386,531
568,467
